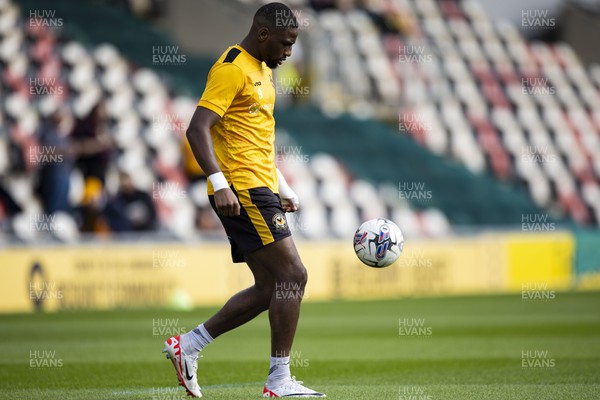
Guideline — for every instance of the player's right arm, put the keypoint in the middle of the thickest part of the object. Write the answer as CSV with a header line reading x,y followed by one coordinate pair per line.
x,y
225,81
198,134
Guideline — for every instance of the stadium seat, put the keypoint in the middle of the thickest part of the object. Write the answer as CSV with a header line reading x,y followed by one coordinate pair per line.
x,y
469,72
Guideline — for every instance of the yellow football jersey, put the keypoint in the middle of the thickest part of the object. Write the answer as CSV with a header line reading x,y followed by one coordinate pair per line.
x,y
241,91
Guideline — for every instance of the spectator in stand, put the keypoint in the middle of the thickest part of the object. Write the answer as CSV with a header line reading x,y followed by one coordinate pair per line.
x,y
130,209
55,175
94,143
8,208
93,203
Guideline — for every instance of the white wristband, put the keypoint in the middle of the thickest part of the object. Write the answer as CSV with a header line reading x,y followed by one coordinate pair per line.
x,y
285,191
218,181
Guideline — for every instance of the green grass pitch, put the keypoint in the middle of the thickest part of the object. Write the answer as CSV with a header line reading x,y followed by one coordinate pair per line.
x,y
495,347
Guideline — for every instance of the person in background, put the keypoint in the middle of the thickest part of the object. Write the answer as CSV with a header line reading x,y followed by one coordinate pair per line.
x,y
90,211
55,169
8,208
94,143
130,209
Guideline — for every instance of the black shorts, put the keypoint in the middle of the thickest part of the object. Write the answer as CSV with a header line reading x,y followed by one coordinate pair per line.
x,y
261,221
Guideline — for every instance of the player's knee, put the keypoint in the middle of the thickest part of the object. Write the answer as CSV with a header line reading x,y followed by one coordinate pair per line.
x,y
297,274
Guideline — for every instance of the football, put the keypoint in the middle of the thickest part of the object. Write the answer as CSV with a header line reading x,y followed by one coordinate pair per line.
x,y
378,242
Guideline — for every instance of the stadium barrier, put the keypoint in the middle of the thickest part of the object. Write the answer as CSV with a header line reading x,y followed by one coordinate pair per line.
x,y
542,259
113,276
587,260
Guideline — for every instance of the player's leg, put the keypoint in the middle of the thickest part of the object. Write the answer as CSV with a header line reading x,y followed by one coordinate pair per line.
x,y
242,307
276,265
183,350
281,259
245,305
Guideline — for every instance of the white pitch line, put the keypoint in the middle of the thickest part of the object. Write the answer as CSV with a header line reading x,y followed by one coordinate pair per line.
x,y
169,388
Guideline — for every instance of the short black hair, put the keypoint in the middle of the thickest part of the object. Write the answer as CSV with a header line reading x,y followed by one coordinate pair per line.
x,y
276,16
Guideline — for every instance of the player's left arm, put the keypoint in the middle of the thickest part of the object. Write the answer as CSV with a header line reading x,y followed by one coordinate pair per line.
x,y
289,198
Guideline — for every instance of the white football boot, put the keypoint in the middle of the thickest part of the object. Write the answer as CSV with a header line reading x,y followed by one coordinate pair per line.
x,y
186,366
290,388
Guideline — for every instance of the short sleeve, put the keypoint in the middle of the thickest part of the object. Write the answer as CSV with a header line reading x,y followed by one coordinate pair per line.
x,y
224,82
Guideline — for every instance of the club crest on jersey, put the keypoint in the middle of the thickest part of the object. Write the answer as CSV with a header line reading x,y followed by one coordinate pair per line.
x,y
279,221
253,109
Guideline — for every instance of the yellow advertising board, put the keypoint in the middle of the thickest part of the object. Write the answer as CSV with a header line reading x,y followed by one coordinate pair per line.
x,y
113,276
543,259
109,276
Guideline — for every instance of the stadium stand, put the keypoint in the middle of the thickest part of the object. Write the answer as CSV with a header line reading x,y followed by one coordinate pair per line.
x,y
148,106
475,91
